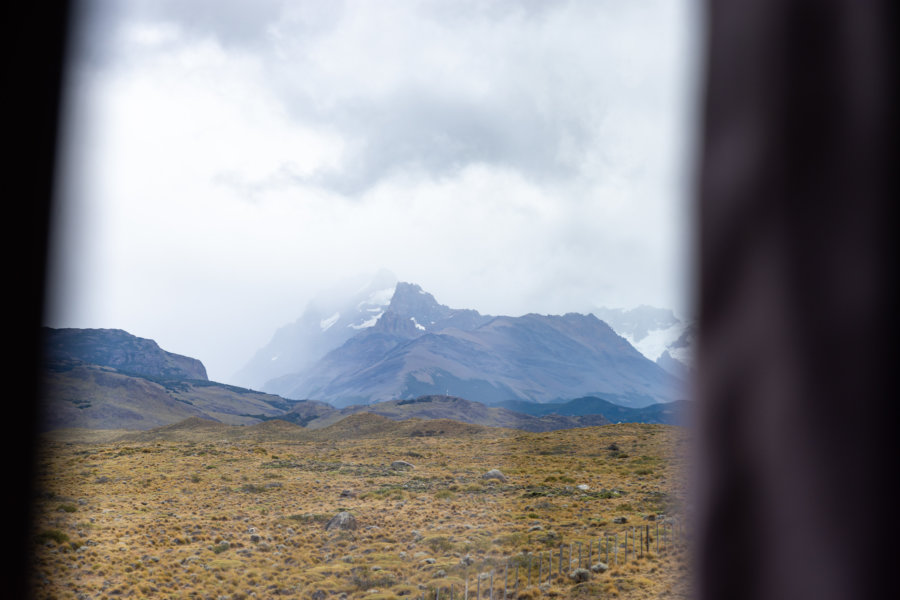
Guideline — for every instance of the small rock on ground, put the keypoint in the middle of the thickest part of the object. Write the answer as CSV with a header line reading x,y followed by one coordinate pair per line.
x,y
494,474
580,575
343,521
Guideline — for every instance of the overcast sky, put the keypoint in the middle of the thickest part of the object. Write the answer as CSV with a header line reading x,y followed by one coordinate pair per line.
x,y
224,161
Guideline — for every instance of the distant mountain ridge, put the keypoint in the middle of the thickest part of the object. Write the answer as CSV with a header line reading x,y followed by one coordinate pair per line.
x,y
669,413
419,347
450,408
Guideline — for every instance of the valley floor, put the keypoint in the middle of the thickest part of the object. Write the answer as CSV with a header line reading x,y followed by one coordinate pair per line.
x,y
246,519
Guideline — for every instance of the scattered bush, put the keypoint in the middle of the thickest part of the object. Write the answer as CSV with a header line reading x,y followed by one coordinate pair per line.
x,y
439,543
253,488
221,547
51,535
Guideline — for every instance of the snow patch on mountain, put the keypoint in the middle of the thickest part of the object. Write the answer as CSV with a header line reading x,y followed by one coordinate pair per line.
x,y
367,323
656,333
657,341
325,324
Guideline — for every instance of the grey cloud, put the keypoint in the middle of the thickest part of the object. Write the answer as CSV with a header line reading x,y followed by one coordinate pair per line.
x,y
97,23
534,113
416,130
231,22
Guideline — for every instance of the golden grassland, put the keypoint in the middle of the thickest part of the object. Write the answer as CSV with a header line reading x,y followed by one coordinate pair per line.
x,y
239,518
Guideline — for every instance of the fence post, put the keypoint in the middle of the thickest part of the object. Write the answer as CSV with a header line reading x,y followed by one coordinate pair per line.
x,y
492,585
540,568
466,596
642,541
529,569
657,538
505,580
478,587
616,549
517,581
559,571
591,543
437,594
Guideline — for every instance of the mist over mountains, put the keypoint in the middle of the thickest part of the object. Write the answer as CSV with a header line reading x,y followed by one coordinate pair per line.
x,y
656,333
410,345
328,321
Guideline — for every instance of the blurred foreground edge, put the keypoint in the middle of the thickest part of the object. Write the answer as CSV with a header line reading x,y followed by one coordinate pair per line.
x,y
34,44
797,301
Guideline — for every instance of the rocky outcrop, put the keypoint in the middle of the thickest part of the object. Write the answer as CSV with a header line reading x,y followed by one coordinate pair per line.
x,y
120,350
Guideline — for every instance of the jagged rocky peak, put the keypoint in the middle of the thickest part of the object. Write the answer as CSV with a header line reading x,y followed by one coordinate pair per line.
x,y
415,304
397,324
411,299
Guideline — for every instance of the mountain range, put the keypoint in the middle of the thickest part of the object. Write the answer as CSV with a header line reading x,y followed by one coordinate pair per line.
x,y
109,379
413,346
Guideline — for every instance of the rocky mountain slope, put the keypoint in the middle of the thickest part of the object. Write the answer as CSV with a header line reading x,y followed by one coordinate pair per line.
x,y
109,379
120,350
